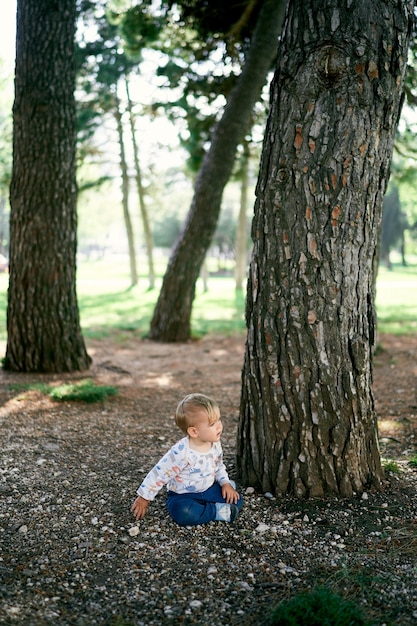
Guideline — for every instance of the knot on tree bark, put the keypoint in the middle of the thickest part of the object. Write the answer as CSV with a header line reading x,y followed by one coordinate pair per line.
x,y
331,65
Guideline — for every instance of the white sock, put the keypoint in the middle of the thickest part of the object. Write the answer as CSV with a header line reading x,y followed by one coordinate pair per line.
x,y
223,512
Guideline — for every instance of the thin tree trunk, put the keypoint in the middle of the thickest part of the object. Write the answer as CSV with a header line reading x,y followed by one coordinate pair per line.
x,y
307,421
241,233
141,194
125,195
402,248
3,234
172,315
43,326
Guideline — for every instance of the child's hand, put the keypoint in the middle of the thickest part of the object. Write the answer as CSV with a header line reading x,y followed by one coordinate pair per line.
x,y
229,494
139,507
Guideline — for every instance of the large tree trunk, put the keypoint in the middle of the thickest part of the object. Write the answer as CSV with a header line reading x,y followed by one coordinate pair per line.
x,y
43,325
307,423
171,318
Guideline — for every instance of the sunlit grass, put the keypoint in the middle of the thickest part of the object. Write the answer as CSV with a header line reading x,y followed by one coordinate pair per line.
x,y
82,391
108,305
391,466
396,300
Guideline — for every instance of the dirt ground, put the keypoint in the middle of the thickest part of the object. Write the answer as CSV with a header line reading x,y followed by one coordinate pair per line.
x,y
69,472
213,366
395,392
151,378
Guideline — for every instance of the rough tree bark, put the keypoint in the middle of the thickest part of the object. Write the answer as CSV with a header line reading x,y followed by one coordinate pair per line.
x,y
307,419
43,325
172,314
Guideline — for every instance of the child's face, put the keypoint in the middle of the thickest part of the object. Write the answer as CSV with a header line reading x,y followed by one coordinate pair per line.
x,y
204,431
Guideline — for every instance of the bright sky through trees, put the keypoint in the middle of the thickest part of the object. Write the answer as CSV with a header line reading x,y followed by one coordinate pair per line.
x,y
8,33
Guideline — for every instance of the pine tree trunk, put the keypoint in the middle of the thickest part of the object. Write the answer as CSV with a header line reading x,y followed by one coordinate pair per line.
x,y
307,423
43,325
172,315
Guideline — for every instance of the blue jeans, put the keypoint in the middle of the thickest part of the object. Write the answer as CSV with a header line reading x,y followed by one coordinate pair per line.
x,y
190,509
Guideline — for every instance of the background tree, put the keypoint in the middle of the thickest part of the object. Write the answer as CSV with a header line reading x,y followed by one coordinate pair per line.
x,y
6,125
241,243
43,324
399,216
117,112
307,419
394,224
171,318
102,70
147,233
104,73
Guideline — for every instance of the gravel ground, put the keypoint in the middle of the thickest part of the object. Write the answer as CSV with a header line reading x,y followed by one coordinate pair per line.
x,y
72,554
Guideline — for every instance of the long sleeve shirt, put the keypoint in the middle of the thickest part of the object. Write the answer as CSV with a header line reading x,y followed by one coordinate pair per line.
x,y
184,470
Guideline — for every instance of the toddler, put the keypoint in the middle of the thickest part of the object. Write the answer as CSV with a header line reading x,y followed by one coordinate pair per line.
x,y
199,488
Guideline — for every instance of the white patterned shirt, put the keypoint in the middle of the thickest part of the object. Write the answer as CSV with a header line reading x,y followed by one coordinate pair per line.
x,y
184,470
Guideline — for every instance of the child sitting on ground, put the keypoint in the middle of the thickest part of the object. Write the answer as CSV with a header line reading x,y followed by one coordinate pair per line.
x,y
199,489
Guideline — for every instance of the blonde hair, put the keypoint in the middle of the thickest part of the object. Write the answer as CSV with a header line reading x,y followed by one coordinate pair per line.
x,y
190,407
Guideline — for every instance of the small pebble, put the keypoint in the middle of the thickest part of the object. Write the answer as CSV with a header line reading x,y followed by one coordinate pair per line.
x,y
134,531
196,604
262,528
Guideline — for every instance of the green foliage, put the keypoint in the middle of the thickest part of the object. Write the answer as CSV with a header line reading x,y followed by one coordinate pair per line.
x,y
410,86
166,229
6,89
216,18
101,65
320,607
202,48
139,27
390,466
81,391
413,461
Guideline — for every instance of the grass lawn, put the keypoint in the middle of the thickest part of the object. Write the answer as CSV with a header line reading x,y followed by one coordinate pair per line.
x,y
396,300
108,303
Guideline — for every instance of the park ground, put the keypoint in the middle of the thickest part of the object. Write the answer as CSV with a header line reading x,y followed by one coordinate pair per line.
x,y
72,554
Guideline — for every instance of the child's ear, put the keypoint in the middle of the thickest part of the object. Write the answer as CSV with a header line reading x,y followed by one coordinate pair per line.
x,y
192,431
